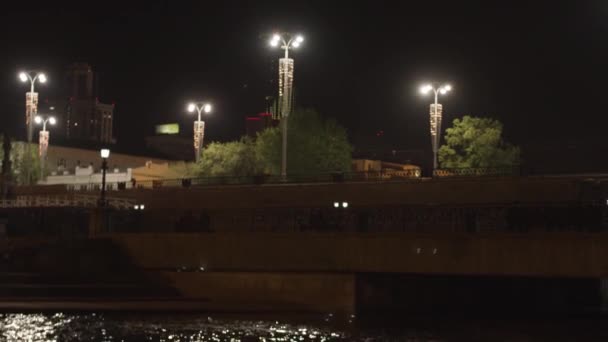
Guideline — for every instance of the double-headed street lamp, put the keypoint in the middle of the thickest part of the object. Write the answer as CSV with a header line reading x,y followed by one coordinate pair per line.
x,y
43,139
31,99
199,126
286,42
436,110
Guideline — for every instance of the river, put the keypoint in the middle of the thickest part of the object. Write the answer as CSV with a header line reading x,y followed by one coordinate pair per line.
x,y
190,328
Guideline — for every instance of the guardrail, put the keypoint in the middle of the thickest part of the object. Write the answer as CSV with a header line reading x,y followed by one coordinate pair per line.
x,y
74,201
336,177
478,172
411,175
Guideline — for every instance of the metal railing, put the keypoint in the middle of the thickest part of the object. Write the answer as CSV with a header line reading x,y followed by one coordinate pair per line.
x,y
478,172
75,201
336,177
410,175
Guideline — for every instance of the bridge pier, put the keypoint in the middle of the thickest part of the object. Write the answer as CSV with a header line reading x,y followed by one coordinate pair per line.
x,y
603,284
95,222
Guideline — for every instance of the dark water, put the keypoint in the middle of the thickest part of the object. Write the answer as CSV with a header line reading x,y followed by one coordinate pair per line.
x,y
189,328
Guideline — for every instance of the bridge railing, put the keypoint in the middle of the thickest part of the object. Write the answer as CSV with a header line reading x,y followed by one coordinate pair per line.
x,y
335,177
478,172
390,175
72,200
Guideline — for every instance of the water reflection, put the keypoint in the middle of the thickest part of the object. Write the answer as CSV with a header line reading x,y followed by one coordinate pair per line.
x,y
92,327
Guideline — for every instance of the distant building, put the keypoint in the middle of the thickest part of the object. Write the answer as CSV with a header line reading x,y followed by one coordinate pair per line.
x,y
169,142
151,172
85,117
85,178
66,159
386,169
173,147
256,124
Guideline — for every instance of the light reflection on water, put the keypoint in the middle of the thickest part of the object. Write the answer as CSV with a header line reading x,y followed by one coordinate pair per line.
x,y
61,327
95,327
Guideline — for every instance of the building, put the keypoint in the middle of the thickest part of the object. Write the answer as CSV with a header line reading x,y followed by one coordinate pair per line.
x,y
85,117
85,178
256,124
60,159
171,146
146,175
384,169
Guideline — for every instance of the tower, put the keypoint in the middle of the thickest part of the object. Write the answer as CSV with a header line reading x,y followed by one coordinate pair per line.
x,y
86,118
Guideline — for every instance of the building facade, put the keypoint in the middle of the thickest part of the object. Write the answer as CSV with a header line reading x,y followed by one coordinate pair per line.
x,y
86,118
85,178
60,159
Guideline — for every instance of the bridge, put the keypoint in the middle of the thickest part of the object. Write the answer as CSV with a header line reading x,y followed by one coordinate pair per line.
x,y
286,243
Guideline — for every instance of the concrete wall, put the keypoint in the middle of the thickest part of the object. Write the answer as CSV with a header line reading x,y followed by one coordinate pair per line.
x,y
425,191
545,255
264,291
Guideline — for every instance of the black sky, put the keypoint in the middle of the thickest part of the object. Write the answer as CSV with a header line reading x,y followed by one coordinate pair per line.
x,y
540,67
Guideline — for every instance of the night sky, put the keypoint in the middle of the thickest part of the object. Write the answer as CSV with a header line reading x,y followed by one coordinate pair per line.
x,y
539,67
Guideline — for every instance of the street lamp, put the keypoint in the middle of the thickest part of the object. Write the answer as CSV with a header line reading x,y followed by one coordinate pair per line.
x,y
43,139
105,154
31,99
285,42
435,112
199,126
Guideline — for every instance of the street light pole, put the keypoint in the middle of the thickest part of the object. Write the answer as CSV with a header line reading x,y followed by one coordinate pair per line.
x,y
285,89
31,100
436,112
105,154
43,140
199,126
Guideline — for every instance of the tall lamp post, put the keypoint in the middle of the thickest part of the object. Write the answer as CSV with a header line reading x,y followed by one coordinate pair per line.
x,y
199,126
285,87
31,99
105,154
43,139
436,111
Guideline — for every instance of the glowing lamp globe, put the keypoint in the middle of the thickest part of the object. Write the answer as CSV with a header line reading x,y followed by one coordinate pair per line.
x,y
105,153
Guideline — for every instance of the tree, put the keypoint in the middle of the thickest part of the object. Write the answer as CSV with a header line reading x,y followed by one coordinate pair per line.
x,y
235,158
314,145
26,163
474,142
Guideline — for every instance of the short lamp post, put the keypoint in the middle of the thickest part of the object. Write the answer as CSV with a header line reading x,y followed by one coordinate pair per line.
x,y
43,139
105,154
199,126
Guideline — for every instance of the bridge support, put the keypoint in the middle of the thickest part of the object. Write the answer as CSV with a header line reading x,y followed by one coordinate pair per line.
x,y
95,222
604,294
